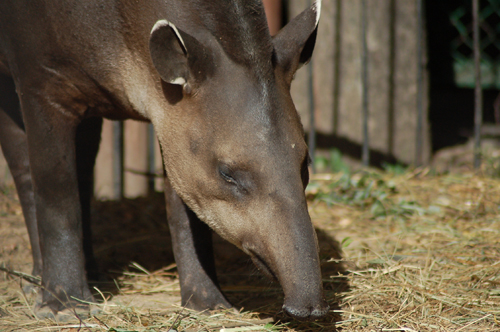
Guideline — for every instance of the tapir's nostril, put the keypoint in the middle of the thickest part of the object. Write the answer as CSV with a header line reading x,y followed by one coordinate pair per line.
x,y
307,313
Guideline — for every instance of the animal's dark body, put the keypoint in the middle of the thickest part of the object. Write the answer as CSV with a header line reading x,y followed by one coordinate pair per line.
x,y
216,87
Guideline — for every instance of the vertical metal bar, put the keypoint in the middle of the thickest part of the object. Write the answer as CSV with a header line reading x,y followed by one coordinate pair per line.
x,y
312,121
118,175
478,96
365,154
337,23
420,85
151,159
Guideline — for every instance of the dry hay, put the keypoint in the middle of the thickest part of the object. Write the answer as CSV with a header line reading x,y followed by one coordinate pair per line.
x,y
425,249
420,252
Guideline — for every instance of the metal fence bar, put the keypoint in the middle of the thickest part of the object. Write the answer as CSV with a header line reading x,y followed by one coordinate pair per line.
x,y
365,154
118,172
478,96
420,85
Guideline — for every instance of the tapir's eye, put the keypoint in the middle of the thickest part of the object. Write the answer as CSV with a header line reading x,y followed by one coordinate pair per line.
x,y
227,177
225,173
239,180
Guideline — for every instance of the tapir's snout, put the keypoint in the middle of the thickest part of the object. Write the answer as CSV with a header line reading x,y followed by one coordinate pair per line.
x,y
304,298
286,250
306,311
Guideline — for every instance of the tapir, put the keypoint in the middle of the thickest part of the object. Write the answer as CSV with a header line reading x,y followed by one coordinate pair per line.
x,y
216,87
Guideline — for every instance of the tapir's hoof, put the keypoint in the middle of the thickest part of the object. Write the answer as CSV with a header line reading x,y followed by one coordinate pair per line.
x,y
207,303
213,306
31,290
308,313
77,313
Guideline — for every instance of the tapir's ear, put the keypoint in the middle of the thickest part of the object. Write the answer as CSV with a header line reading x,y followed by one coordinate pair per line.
x,y
177,56
294,43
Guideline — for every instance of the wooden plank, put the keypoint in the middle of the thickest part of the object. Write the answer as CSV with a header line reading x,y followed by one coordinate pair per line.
x,y
135,158
273,14
490,130
103,171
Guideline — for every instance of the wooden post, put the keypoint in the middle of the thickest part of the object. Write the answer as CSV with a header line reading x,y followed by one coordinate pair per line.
x,y
103,173
135,158
273,14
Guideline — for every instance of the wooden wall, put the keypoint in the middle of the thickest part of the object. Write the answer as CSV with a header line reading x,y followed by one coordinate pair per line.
x,y
135,162
392,72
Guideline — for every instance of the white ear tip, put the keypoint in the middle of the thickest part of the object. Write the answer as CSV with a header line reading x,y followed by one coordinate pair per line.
x,y
317,8
162,23
179,81
159,24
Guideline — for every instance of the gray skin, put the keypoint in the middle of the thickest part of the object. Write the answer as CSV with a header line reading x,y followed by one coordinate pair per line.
x,y
216,87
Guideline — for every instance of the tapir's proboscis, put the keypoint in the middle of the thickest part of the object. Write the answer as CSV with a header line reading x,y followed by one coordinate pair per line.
x,y
216,87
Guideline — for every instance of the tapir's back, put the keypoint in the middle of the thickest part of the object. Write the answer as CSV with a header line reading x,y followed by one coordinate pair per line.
x,y
102,45
90,43
32,30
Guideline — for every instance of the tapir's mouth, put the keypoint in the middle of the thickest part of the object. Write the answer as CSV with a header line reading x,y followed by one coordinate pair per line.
x,y
262,265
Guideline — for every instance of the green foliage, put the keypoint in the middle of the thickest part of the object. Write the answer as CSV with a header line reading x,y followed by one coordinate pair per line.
x,y
271,327
367,191
372,191
336,162
396,169
5,190
491,165
346,242
322,164
333,163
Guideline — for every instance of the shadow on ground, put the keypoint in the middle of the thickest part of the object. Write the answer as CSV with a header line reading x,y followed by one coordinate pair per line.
x,y
135,230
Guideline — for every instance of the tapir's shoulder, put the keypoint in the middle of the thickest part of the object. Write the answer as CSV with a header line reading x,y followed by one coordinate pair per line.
x,y
98,48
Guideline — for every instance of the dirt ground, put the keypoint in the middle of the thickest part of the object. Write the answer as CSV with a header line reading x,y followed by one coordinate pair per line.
x,y
400,251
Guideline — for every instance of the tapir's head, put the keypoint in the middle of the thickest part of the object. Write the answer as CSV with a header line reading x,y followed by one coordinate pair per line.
x,y
233,143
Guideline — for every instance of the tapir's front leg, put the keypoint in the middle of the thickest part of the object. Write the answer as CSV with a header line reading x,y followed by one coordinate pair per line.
x,y
51,129
88,136
15,150
192,244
